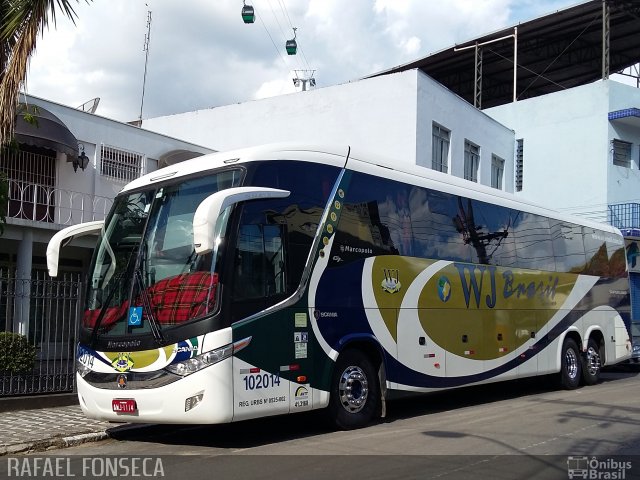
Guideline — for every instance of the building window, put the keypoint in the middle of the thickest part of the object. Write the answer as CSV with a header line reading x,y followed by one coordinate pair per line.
x,y
120,164
440,153
519,163
497,172
621,153
31,172
471,161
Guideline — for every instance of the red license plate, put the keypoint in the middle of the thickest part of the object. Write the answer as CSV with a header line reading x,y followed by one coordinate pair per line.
x,y
126,405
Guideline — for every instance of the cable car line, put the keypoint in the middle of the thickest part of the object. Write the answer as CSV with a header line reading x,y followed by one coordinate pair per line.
x,y
271,38
291,44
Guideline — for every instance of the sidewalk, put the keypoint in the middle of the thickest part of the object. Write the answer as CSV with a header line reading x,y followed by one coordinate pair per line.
x,y
46,428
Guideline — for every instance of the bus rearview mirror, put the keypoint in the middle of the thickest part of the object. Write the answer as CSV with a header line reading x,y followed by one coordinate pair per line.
x,y
205,231
63,237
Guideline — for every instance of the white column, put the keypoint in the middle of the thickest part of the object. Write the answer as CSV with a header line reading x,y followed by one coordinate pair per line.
x,y
23,283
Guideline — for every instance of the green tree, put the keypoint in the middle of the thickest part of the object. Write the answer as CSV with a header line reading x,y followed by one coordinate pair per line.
x,y
21,23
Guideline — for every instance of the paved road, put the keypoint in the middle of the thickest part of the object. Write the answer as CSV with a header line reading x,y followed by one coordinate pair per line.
x,y
454,434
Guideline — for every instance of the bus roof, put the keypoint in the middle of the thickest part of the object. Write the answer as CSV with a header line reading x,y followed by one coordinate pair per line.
x,y
277,151
361,161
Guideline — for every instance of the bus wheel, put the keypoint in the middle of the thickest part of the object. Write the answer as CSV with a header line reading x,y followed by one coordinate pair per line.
x,y
591,363
570,370
355,392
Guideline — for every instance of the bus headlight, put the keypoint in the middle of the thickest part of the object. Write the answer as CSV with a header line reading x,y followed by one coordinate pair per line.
x,y
82,369
191,365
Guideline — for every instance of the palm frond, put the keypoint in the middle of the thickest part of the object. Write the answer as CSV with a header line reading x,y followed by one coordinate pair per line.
x,y
22,21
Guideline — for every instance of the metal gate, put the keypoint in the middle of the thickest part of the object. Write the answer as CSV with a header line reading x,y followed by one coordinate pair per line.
x,y
45,312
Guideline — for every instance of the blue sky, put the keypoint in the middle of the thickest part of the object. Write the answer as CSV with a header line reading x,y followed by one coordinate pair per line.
x,y
202,55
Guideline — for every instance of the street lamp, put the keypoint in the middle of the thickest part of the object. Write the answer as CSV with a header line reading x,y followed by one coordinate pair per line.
x,y
81,160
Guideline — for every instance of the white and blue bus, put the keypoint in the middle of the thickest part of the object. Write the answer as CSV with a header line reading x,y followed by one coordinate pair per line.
x,y
281,279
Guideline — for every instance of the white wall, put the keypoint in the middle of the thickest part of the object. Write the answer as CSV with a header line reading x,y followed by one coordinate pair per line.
x,y
568,163
390,115
624,183
377,114
565,147
435,103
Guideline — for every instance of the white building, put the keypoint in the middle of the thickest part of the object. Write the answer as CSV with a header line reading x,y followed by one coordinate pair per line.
x,y
48,190
406,116
581,148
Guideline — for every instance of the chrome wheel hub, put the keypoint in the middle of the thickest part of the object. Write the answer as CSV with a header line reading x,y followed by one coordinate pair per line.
x,y
353,389
593,361
571,361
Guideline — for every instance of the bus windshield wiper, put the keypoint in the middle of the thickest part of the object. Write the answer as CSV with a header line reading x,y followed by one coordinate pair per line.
x,y
105,304
154,325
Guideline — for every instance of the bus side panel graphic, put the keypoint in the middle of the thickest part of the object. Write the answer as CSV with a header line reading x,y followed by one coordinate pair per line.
x,y
451,323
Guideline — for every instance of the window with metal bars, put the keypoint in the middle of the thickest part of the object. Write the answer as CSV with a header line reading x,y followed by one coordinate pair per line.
x,y
471,161
621,153
440,148
31,172
29,164
120,164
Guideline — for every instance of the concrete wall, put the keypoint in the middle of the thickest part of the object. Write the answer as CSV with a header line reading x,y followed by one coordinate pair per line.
x,y
390,115
565,147
377,114
568,162
623,184
436,103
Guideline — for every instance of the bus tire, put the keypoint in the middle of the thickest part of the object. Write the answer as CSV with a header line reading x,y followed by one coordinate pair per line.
x,y
570,364
591,363
355,393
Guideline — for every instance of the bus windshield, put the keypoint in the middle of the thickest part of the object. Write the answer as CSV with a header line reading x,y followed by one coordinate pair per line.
x,y
145,272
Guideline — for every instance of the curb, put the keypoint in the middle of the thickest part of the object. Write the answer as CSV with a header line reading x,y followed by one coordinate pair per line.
x,y
31,402
52,443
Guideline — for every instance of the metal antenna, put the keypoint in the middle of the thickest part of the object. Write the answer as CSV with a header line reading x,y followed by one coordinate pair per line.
x,y
147,39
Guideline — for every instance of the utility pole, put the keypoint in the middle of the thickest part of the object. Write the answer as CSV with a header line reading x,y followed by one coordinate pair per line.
x,y
145,48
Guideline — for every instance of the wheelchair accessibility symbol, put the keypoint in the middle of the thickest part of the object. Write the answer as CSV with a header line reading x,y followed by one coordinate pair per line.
x,y
135,317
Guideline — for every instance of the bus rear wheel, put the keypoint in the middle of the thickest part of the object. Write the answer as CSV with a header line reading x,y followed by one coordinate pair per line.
x,y
571,365
355,393
591,363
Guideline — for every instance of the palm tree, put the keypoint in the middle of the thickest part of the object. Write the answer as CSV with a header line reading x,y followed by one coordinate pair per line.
x,y
22,22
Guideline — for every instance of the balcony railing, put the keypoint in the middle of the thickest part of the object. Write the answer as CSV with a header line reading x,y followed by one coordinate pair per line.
x,y
625,215
42,203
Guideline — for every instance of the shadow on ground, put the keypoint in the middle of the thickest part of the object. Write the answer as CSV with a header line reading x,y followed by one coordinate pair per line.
x,y
255,433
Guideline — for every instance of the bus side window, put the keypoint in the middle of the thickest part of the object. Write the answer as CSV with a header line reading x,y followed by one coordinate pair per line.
x,y
275,260
259,263
568,247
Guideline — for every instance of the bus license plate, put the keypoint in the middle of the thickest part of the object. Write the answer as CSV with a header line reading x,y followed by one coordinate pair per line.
x,y
126,405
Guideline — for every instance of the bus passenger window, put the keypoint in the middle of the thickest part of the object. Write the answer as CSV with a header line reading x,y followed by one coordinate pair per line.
x,y
259,263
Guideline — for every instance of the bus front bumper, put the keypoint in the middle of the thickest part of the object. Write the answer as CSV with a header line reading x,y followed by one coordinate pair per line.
x,y
204,397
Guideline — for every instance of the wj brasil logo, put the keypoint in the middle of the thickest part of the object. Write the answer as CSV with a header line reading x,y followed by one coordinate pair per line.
x,y
391,282
444,289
